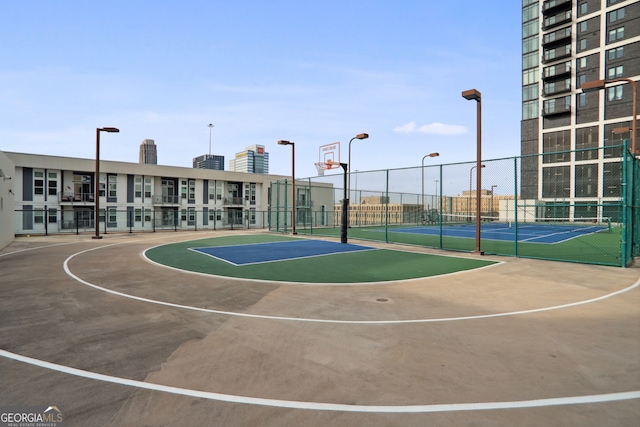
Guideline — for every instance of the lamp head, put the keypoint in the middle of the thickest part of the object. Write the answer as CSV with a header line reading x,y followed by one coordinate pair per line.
x,y
282,142
362,136
593,85
471,94
110,129
434,154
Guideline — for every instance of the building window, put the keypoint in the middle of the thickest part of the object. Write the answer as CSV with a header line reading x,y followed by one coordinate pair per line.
x,y
556,182
530,77
53,216
582,62
582,99
583,44
530,44
611,179
138,187
183,215
530,12
38,216
530,110
583,27
615,93
192,190
212,190
137,215
616,34
586,180
112,216
530,29
614,136
616,53
219,189
556,146
530,92
113,186
52,183
183,189
147,187
584,8
616,15
38,182
147,215
530,60
615,72
102,186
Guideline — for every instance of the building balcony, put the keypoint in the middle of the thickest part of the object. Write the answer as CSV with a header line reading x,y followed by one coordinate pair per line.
x,y
556,71
556,106
237,201
70,198
556,38
166,200
556,20
551,7
555,54
555,88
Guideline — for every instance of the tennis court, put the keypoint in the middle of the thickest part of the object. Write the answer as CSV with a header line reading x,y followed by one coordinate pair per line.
x,y
539,232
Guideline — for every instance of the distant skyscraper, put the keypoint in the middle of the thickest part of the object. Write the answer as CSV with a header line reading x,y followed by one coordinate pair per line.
x,y
567,43
148,152
254,159
209,161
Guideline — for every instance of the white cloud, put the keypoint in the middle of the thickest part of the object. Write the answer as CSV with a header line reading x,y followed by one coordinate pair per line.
x,y
431,129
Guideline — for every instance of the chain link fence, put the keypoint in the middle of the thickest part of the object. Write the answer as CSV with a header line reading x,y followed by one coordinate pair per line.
x,y
539,206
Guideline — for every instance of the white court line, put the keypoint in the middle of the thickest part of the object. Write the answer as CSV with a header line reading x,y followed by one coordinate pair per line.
x,y
349,322
320,406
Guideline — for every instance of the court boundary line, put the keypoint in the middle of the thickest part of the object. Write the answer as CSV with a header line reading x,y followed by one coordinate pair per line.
x,y
334,321
322,406
365,248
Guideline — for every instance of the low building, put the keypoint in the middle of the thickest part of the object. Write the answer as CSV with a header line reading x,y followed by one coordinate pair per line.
x,y
52,194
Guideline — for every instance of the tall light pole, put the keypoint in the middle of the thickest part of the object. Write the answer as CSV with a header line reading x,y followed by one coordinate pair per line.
x,y
470,175
474,95
96,196
492,188
210,126
601,84
293,183
358,136
422,173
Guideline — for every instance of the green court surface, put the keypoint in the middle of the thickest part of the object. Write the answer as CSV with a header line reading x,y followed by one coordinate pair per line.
x,y
598,248
378,265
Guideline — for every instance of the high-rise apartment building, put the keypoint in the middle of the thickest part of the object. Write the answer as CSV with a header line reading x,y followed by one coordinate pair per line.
x,y
209,161
254,159
148,152
566,43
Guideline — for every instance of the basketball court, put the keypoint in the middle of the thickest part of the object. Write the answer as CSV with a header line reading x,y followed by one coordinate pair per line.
x,y
111,336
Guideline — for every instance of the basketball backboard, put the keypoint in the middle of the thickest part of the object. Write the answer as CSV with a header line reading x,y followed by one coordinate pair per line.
x,y
329,154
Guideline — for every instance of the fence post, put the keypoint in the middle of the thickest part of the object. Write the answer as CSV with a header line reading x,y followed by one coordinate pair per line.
x,y
515,205
130,221
75,214
625,201
46,221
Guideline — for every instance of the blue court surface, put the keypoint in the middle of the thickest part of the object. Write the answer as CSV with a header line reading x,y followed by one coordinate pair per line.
x,y
531,233
257,253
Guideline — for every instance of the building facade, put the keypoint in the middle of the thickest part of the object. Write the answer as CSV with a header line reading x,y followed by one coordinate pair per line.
x,y
254,159
148,152
53,194
566,43
209,161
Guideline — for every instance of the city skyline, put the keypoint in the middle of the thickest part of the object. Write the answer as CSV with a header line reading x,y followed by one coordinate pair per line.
x,y
312,74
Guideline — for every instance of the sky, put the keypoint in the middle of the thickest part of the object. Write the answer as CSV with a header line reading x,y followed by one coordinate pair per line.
x,y
261,71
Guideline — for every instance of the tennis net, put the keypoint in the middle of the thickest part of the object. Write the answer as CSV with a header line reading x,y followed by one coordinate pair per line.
x,y
556,224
